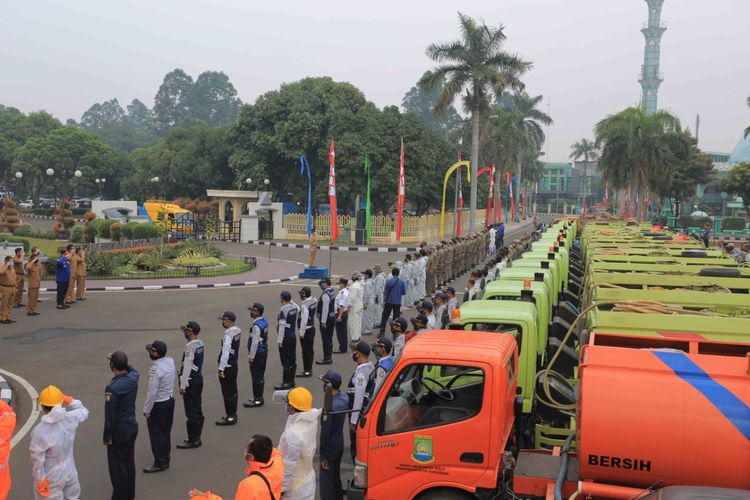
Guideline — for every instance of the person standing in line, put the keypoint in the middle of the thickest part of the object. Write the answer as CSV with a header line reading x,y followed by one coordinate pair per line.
x,y
230,347
7,426
492,232
34,270
326,311
409,276
191,385
332,440
73,260
308,311
368,299
382,349
8,289
441,311
357,390
62,278
500,236
81,274
422,275
298,444
120,426
356,307
52,442
398,331
18,255
287,340
427,308
342,314
393,293
159,406
379,287
257,354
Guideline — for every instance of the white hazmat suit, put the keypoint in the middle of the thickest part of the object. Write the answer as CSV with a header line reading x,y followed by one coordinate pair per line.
x,y
298,444
368,297
51,451
356,304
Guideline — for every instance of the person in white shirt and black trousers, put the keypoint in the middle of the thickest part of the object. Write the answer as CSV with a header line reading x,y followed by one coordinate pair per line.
x,y
159,407
308,311
230,346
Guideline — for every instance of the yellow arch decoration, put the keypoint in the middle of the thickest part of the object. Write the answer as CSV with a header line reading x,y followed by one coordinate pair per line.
x,y
464,163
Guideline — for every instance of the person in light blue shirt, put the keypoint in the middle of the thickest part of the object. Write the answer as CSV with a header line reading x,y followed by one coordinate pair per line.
x,y
159,406
394,291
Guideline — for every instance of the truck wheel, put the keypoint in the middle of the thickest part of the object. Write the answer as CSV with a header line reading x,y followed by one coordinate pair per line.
x,y
445,494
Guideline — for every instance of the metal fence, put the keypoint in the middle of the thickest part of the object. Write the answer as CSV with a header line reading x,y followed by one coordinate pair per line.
x,y
124,244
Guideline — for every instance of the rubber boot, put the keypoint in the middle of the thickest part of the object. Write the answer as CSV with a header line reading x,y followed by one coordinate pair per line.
x,y
285,384
326,360
197,431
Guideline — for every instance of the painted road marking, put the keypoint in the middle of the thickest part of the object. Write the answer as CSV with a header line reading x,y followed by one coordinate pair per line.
x,y
33,395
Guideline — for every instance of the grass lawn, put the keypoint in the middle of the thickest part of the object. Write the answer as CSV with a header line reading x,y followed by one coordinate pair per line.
x,y
49,247
232,267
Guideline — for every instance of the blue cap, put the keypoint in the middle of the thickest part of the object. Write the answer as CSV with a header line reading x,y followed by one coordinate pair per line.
x,y
332,377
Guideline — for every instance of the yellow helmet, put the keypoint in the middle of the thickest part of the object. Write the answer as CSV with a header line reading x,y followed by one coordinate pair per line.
x,y
300,399
50,396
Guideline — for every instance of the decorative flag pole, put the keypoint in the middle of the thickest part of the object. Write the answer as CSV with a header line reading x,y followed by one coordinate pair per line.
x,y
460,210
332,193
451,169
304,164
401,195
367,205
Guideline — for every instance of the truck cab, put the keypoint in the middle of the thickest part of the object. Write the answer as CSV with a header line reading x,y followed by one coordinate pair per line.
x,y
528,273
423,439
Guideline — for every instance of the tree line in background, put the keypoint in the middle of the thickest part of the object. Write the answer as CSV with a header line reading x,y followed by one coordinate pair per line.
x,y
199,135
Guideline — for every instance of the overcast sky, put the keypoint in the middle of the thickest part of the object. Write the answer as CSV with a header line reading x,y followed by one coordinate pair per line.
x,y
62,56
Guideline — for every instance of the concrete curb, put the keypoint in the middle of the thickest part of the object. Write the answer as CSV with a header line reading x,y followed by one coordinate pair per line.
x,y
183,286
5,391
334,247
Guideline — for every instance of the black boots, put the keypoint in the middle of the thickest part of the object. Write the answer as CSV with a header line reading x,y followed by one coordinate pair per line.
x,y
287,378
327,350
194,430
257,400
230,406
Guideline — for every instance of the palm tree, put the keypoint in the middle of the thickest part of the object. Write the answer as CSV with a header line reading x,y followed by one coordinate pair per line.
x,y
477,68
634,147
587,149
528,121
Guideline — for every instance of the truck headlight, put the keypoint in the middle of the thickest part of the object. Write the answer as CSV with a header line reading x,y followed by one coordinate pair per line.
x,y
360,475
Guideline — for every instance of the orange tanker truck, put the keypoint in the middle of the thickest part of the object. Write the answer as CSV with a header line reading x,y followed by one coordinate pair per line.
x,y
652,414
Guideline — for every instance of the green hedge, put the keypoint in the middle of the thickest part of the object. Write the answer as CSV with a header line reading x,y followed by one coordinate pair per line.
x,y
733,223
15,239
127,230
100,227
145,231
115,231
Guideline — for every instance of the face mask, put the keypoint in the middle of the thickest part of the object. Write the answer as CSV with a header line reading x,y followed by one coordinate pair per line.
x,y
354,357
321,287
153,357
378,354
394,333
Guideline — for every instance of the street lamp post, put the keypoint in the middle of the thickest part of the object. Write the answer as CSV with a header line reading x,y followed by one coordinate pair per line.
x,y
155,182
100,184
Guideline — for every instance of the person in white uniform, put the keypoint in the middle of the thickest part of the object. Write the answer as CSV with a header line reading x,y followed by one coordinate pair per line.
x,y
356,307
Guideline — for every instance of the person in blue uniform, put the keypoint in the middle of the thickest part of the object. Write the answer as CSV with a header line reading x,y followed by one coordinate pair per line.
x,y
308,311
287,340
191,385
159,406
120,426
257,354
332,440
326,312
230,347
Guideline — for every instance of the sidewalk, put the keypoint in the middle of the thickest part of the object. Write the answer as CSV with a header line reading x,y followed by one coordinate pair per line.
x,y
275,271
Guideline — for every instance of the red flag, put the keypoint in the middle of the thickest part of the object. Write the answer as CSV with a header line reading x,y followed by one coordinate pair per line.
x,y
401,195
460,212
332,193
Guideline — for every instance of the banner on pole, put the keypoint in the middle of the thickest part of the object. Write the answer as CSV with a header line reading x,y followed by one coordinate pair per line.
x,y
401,194
332,192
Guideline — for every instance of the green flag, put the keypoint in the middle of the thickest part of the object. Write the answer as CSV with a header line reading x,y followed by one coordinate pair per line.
x,y
367,204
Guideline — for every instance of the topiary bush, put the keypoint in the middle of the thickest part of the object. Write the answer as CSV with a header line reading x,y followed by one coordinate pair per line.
x,y
127,230
23,230
76,234
115,231
146,231
10,214
100,227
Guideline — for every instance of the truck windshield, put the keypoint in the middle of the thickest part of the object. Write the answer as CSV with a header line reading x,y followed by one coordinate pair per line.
x,y
428,395
514,330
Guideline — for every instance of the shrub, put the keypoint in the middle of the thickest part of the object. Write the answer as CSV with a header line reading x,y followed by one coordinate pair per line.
x,y
89,216
146,231
151,261
105,263
191,244
15,239
115,231
732,223
10,214
76,234
197,261
100,227
127,229
23,230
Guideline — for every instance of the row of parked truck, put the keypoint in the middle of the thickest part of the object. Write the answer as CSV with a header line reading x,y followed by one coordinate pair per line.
x,y
611,360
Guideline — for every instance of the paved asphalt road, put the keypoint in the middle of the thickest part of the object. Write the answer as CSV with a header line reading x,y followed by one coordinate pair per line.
x,y
68,349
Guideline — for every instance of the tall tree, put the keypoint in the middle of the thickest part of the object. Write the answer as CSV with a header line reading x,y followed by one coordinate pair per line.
x,y
419,101
588,150
476,68
528,122
634,148
140,116
738,183
99,115
16,128
214,100
172,101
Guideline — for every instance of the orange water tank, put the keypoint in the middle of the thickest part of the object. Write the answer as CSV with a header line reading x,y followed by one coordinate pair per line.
x,y
665,416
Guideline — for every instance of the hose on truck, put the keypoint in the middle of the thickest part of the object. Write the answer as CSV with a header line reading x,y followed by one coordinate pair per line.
x,y
563,467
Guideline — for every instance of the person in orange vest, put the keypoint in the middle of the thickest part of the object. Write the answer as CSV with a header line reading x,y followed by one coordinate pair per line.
x,y
265,473
7,425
